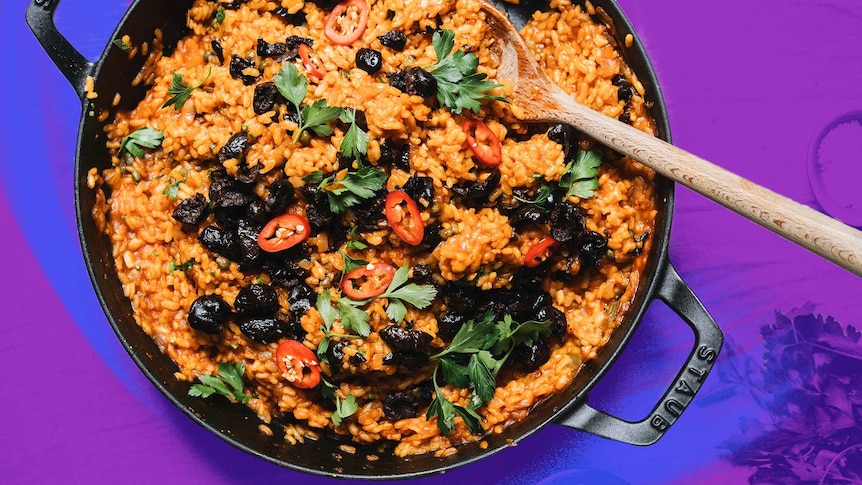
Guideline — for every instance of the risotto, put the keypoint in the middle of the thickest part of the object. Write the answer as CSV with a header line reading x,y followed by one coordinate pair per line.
x,y
327,212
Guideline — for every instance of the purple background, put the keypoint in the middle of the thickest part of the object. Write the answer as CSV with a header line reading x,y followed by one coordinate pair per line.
x,y
749,86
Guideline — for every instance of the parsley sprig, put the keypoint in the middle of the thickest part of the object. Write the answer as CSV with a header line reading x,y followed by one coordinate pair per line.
x,y
140,139
400,292
228,383
314,117
344,408
355,141
581,175
459,86
173,187
350,190
180,92
121,44
329,314
472,360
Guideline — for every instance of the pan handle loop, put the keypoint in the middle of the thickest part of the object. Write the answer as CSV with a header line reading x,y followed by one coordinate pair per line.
x,y
707,344
73,65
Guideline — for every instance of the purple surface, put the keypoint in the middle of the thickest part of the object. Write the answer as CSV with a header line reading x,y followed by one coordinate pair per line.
x,y
749,86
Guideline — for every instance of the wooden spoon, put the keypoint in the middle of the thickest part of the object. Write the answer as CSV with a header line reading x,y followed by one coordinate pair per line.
x,y
537,98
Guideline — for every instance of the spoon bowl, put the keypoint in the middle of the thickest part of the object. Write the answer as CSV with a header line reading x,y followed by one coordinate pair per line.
x,y
536,98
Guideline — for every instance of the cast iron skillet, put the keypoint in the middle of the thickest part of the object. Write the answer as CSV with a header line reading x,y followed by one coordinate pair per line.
x,y
237,425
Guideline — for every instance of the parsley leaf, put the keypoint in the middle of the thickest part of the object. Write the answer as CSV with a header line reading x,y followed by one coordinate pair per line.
x,y
291,84
355,141
315,118
173,187
121,44
486,346
459,86
541,199
180,92
354,244
353,319
344,409
350,190
398,293
329,315
142,137
173,266
581,175
228,383
351,263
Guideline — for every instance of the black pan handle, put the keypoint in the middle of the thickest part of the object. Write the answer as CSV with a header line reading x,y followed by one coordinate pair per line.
x,y
707,343
73,65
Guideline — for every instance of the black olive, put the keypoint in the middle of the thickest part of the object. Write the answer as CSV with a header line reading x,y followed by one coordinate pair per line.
x,y
626,117
238,65
405,340
369,60
326,4
264,329
219,51
250,253
527,214
391,153
297,18
401,405
335,353
294,41
420,189
235,147
192,210
566,136
593,247
432,236
284,273
619,80
558,325
410,360
265,96
625,93
265,49
247,174
356,359
477,192
279,197
449,323
370,212
220,241
414,81
256,300
255,213
319,214
567,221
394,40
300,292
209,314
532,357
422,274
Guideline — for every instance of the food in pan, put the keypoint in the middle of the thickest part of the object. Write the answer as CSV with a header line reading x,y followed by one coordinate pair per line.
x,y
328,213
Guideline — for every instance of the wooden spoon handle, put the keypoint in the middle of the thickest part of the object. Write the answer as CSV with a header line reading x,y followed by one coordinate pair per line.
x,y
801,224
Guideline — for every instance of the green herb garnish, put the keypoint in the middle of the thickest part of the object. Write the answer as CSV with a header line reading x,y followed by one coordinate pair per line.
x,y
219,18
541,199
472,360
351,263
399,293
353,243
355,141
459,86
142,137
121,44
329,314
173,187
173,266
344,408
350,190
314,117
180,92
228,383
581,175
